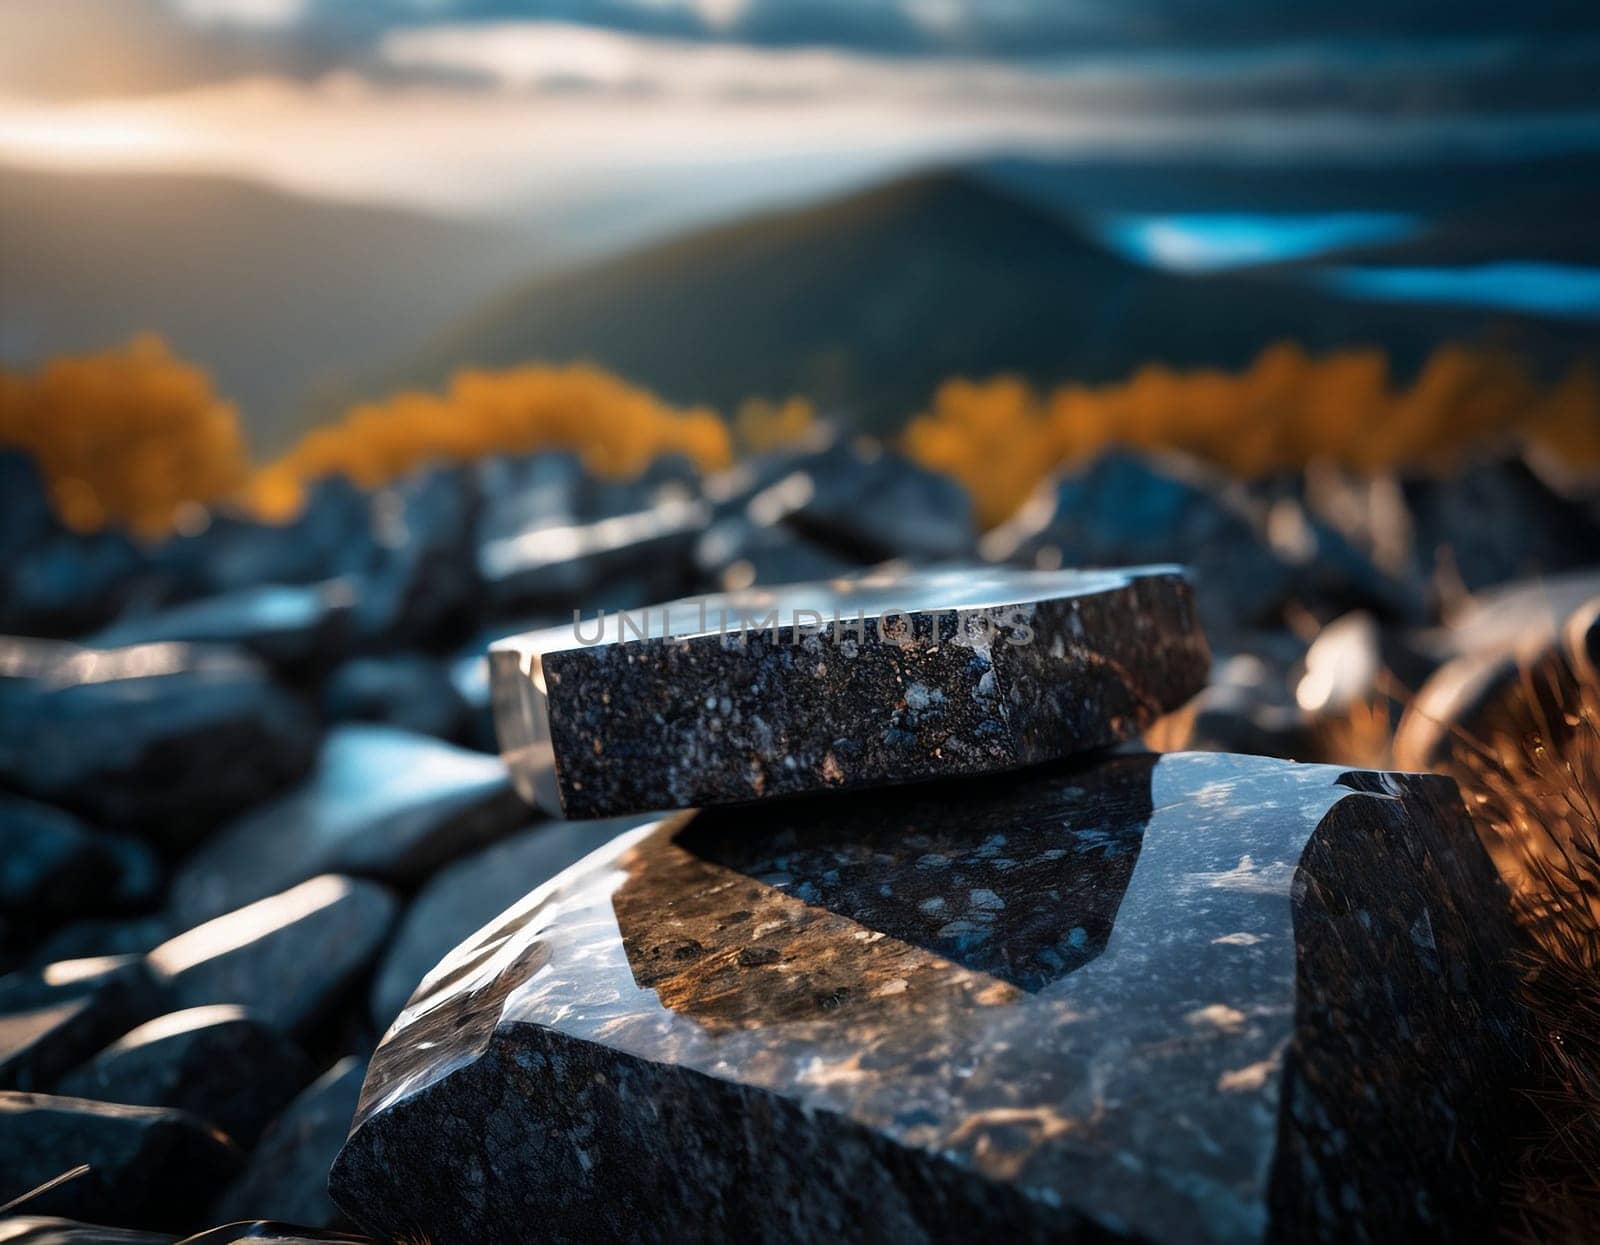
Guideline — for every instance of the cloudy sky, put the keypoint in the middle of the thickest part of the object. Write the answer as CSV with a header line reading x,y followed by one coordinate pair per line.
x,y
480,106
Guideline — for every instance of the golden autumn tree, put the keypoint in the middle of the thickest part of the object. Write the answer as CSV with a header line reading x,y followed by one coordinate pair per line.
x,y
1286,409
618,428
129,435
761,424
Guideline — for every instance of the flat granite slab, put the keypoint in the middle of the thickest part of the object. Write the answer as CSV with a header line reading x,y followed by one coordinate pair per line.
x,y
1187,998
848,683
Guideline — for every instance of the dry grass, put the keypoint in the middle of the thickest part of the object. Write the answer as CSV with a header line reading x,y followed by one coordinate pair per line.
x,y
1537,800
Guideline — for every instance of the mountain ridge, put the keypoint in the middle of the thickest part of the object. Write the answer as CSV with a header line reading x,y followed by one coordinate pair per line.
x,y
866,302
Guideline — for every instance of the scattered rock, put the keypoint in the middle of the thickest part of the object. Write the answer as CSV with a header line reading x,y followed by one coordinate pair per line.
x,y
734,554
287,1176
407,691
1493,522
626,559
1124,509
217,1063
460,898
54,581
380,803
976,1009
55,1017
162,739
287,958
1514,658
84,940
329,538
148,1167
294,627
54,867
871,503
51,1230
422,582
846,684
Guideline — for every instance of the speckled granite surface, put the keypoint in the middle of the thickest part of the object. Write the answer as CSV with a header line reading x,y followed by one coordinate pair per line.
x,y
852,683
1194,998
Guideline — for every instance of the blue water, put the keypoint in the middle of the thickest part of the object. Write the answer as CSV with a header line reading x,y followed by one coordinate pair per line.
x,y
1567,290
1208,241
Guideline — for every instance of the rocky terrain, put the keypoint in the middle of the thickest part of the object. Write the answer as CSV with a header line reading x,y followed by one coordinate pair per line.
x,y
250,798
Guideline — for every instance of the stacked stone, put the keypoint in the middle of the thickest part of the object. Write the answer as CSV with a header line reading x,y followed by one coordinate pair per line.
x,y
912,956
248,801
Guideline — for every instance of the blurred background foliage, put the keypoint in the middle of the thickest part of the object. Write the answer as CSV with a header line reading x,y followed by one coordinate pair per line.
x,y
135,435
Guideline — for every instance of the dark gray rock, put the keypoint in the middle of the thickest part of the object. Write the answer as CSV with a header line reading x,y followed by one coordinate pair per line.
x,y
54,867
422,582
845,684
1185,998
287,958
1497,521
91,939
53,1230
621,559
217,1063
165,740
871,503
54,581
470,892
407,690
1125,508
266,1232
1511,667
330,537
295,627
55,1017
734,554
287,1176
381,803
529,492
148,1167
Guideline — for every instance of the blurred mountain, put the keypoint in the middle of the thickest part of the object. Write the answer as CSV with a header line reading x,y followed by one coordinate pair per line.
x,y
268,290
1434,188
867,302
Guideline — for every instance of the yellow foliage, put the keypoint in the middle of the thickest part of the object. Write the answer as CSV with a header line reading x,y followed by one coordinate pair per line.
x,y
762,425
128,435
617,427
1001,436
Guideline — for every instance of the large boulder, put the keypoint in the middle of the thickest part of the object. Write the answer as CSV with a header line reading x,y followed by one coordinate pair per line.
x,y
166,740
458,899
381,803
1187,998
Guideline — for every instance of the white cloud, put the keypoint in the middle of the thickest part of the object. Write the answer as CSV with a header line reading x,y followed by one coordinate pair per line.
x,y
578,114
271,14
